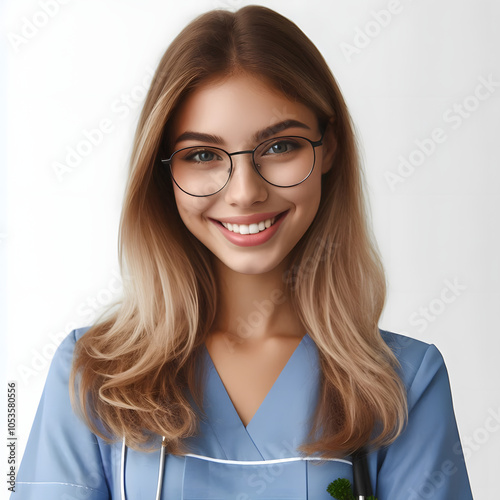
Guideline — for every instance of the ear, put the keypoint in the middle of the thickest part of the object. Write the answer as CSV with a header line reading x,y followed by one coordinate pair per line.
x,y
329,147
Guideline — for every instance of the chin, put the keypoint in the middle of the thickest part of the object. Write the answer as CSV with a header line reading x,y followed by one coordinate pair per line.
x,y
251,267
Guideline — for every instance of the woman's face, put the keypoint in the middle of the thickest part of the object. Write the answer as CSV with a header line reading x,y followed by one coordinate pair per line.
x,y
237,109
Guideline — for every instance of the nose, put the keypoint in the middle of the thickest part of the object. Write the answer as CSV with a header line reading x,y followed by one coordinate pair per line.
x,y
245,186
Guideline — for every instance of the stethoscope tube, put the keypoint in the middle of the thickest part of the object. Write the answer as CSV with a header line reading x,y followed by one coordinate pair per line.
x,y
161,470
361,477
122,470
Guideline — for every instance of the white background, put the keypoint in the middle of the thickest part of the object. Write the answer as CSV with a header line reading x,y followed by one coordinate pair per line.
x,y
438,225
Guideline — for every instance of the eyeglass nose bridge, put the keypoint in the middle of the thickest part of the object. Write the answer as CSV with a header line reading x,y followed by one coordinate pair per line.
x,y
248,151
241,152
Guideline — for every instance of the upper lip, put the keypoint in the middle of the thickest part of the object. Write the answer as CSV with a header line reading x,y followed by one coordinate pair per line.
x,y
249,219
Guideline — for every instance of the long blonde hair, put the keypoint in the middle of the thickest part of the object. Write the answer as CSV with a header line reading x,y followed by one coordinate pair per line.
x,y
136,368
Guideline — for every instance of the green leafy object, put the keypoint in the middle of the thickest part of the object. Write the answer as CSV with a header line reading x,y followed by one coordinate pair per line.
x,y
340,489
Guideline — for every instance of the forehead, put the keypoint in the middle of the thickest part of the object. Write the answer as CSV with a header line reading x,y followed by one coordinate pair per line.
x,y
237,107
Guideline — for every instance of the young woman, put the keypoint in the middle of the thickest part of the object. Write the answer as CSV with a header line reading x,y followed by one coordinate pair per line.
x,y
245,360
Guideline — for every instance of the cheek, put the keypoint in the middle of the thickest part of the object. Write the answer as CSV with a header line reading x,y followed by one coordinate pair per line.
x,y
190,208
309,195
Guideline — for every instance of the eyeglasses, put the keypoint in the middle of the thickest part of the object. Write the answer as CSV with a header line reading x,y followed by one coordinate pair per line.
x,y
281,161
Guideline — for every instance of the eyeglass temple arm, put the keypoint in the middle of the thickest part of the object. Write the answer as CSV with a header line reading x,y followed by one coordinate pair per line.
x,y
320,142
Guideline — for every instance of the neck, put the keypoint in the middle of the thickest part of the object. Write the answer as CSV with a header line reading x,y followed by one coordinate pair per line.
x,y
254,307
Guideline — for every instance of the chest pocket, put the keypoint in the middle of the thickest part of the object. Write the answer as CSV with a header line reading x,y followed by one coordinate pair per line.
x,y
209,480
300,480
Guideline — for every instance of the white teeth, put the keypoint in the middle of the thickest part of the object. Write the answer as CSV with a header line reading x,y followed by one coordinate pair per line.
x,y
249,228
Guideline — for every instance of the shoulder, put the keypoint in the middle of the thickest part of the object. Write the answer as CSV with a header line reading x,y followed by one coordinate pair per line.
x,y
429,445
63,357
420,363
78,333
63,458
68,343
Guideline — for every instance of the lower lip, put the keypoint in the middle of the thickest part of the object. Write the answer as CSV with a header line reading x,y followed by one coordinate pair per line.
x,y
250,240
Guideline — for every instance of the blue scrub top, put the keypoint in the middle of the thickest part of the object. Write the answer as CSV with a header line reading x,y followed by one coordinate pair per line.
x,y
64,460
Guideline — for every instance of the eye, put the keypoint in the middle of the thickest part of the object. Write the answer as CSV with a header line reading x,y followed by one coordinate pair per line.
x,y
280,147
202,156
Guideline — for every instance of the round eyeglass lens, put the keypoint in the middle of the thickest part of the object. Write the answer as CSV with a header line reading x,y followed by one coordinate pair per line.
x,y
200,171
285,161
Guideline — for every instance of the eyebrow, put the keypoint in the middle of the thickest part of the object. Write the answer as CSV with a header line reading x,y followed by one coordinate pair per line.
x,y
260,135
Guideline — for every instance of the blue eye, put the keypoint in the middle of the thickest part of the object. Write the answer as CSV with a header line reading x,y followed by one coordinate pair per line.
x,y
202,156
281,147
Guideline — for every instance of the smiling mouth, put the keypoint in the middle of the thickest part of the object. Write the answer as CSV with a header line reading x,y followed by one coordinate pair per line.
x,y
254,228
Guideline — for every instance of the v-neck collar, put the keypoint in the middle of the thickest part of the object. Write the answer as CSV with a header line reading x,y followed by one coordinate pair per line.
x,y
280,423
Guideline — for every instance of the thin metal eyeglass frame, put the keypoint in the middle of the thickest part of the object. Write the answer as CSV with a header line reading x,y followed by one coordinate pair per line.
x,y
314,144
